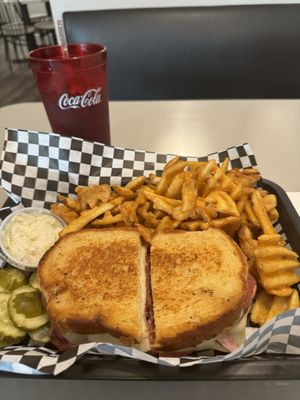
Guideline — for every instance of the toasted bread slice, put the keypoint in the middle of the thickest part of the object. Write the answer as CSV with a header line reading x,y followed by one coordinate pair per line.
x,y
198,282
94,282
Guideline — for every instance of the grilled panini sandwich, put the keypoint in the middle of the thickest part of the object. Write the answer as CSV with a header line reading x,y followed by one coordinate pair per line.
x,y
94,282
99,286
198,282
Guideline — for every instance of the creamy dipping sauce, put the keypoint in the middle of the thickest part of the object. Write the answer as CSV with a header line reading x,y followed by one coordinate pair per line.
x,y
27,236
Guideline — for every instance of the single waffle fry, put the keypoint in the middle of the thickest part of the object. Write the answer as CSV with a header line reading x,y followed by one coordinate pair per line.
x,y
274,239
247,177
128,212
136,183
189,193
173,170
194,225
154,179
193,165
261,213
92,196
212,182
108,219
174,190
73,204
261,307
159,214
171,163
241,204
64,212
248,245
204,175
269,201
145,233
149,218
125,192
180,215
167,224
237,192
273,214
276,265
279,283
229,224
250,215
153,197
225,165
283,304
203,211
90,215
224,203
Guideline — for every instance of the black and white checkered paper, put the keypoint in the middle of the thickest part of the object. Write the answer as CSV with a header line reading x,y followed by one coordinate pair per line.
x,y
35,166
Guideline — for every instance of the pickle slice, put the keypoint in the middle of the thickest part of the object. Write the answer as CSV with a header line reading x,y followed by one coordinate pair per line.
x,y
11,278
9,333
40,335
33,281
26,309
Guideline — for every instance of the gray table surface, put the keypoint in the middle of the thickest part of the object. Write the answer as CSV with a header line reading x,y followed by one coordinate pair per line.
x,y
272,127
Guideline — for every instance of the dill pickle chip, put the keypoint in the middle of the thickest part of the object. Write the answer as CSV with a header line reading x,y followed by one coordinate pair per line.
x,y
9,333
40,335
26,309
33,281
11,278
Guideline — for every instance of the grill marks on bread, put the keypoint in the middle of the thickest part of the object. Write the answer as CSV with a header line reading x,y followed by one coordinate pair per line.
x,y
100,281
91,282
207,273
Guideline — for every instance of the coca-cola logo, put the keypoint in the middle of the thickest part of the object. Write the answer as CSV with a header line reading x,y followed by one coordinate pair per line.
x,y
88,99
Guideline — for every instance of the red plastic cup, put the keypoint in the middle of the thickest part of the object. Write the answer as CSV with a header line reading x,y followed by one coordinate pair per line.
x,y
74,89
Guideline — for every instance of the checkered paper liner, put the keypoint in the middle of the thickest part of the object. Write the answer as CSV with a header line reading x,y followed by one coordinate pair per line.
x,y
35,166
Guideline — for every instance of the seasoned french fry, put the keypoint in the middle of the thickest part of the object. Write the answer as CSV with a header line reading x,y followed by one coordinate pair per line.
x,y
171,163
174,189
64,212
194,225
224,203
189,193
70,203
90,215
261,213
125,192
166,224
149,218
225,164
108,219
168,173
136,183
282,304
261,307
145,233
229,224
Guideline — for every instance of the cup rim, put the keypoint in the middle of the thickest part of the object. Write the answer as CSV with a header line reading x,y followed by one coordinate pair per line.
x,y
5,253
102,49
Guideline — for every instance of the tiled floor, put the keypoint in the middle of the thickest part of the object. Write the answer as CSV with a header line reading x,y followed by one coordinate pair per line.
x,y
18,85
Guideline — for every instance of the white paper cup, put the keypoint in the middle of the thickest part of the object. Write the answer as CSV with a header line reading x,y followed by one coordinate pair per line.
x,y
5,252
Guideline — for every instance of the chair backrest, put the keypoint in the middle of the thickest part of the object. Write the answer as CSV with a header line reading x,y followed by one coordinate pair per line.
x,y
196,52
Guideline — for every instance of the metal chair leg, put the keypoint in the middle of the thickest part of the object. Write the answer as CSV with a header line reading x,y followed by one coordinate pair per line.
x,y
7,54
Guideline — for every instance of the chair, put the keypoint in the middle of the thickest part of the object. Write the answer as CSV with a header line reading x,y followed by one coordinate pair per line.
x,y
17,34
196,52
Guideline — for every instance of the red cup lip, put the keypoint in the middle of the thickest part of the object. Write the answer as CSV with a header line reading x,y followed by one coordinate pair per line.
x,y
102,49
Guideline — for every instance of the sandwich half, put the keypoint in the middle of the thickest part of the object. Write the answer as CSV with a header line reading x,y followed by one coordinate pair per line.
x,y
198,284
94,286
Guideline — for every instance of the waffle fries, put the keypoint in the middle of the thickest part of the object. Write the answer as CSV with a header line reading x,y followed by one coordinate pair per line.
x,y
195,196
